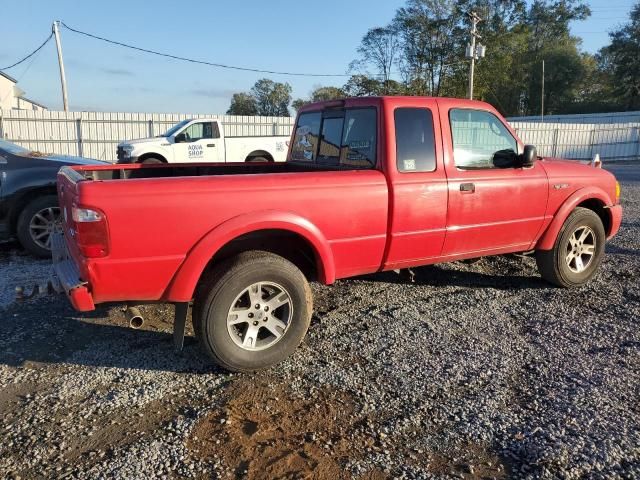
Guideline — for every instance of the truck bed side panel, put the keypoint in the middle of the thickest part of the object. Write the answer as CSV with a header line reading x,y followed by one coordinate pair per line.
x,y
154,223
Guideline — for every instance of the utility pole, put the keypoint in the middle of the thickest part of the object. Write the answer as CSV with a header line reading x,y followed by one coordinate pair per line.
x,y
473,52
63,78
542,96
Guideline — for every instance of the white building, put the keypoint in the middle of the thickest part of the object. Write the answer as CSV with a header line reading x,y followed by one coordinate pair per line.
x,y
12,98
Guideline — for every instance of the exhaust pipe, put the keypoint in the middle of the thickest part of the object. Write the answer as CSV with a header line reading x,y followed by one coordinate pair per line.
x,y
135,317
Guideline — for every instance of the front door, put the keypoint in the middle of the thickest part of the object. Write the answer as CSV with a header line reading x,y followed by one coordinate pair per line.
x,y
491,206
201,143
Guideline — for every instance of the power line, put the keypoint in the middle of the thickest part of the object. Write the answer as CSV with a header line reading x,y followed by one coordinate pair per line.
x,y
203,62
30,55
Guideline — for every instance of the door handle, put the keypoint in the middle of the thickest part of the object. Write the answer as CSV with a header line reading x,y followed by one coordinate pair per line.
x,y
467,187
211,144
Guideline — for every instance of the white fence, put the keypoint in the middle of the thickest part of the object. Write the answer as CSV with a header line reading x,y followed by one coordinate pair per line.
x,y
594,118
580,141
95,134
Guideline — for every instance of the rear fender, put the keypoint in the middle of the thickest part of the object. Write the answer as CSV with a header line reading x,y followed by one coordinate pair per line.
x,y
548,238
184,282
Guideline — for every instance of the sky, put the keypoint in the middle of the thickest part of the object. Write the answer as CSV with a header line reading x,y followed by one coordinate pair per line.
x,y
282,35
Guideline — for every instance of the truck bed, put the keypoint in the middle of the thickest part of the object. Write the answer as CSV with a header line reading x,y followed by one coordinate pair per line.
x,y
137,171
155,223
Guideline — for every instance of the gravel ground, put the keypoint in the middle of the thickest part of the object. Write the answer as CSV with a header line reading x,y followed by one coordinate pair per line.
x,y
473,371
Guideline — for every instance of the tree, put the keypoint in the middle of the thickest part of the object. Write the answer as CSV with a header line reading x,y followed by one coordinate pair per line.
x,y
624,58
320,94
431,39
379,49
243,104
272,98
365,86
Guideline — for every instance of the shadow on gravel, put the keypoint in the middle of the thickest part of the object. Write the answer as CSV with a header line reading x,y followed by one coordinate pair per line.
x,y
48,331
622,251
437,276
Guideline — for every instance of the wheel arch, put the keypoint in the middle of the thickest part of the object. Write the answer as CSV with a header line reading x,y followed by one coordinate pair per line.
x,y
592,198
259,153
23,199
250,232
144,156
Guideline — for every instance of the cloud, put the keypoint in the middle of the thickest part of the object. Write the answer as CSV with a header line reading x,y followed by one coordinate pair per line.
x,y
212,92
117,71
135,88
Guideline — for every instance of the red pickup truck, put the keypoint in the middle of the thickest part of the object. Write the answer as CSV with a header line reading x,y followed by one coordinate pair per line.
x,y
370,184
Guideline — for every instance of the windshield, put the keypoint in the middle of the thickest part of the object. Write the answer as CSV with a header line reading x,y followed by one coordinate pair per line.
x,y
172,131
12,148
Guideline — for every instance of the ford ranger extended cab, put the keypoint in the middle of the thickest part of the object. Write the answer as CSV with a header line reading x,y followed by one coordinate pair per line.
x,y
201,140
370,184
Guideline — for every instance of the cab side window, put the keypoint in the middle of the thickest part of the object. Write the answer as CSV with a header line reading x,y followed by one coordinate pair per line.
x,y
415,140
198,131
479,138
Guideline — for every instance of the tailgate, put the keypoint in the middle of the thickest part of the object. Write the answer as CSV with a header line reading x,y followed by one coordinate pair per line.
x,y
68,180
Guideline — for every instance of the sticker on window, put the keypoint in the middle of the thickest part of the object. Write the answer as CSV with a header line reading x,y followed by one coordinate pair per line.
x,y
409,164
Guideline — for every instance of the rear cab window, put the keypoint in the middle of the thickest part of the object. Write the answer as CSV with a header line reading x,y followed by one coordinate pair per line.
x,y
344,138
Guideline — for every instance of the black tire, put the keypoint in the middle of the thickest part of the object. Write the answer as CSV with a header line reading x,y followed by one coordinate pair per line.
x,y
151,161
553,265
258,160
24,226
221,290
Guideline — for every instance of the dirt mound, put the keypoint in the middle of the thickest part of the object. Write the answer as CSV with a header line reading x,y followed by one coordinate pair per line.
x,y
265,431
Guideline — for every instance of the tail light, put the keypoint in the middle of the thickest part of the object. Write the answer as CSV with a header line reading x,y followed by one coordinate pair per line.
x,y
91,233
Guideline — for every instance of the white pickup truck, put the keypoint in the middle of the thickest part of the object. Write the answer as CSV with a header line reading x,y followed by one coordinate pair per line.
x,y
202,140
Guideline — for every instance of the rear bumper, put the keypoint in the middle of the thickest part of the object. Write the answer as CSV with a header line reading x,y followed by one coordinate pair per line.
x,y
69,275
616,219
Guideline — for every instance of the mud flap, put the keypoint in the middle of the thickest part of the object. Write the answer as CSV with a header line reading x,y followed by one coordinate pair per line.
x,y
179,321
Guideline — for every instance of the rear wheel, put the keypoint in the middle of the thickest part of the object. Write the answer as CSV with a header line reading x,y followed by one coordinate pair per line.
x,y
258,160
37,222
577,253
252,311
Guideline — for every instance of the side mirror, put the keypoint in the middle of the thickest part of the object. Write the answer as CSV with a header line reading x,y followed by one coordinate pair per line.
x,y
529,155
505,159
180,138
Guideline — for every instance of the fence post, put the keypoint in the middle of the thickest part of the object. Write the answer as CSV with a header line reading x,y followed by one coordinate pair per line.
x,y
151,128
637,135
79,136
555,143
591,143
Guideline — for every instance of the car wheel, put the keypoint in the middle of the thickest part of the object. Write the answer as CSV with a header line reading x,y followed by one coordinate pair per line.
x,y
252,311
151,161
577,253
37,222
257,160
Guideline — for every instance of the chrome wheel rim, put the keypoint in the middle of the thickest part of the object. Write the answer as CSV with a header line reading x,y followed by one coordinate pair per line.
x,y
43,224
581,249
260,316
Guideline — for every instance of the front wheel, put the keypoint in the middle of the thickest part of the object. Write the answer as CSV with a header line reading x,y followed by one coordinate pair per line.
x,y
151,161
577,253
252,311
37,222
